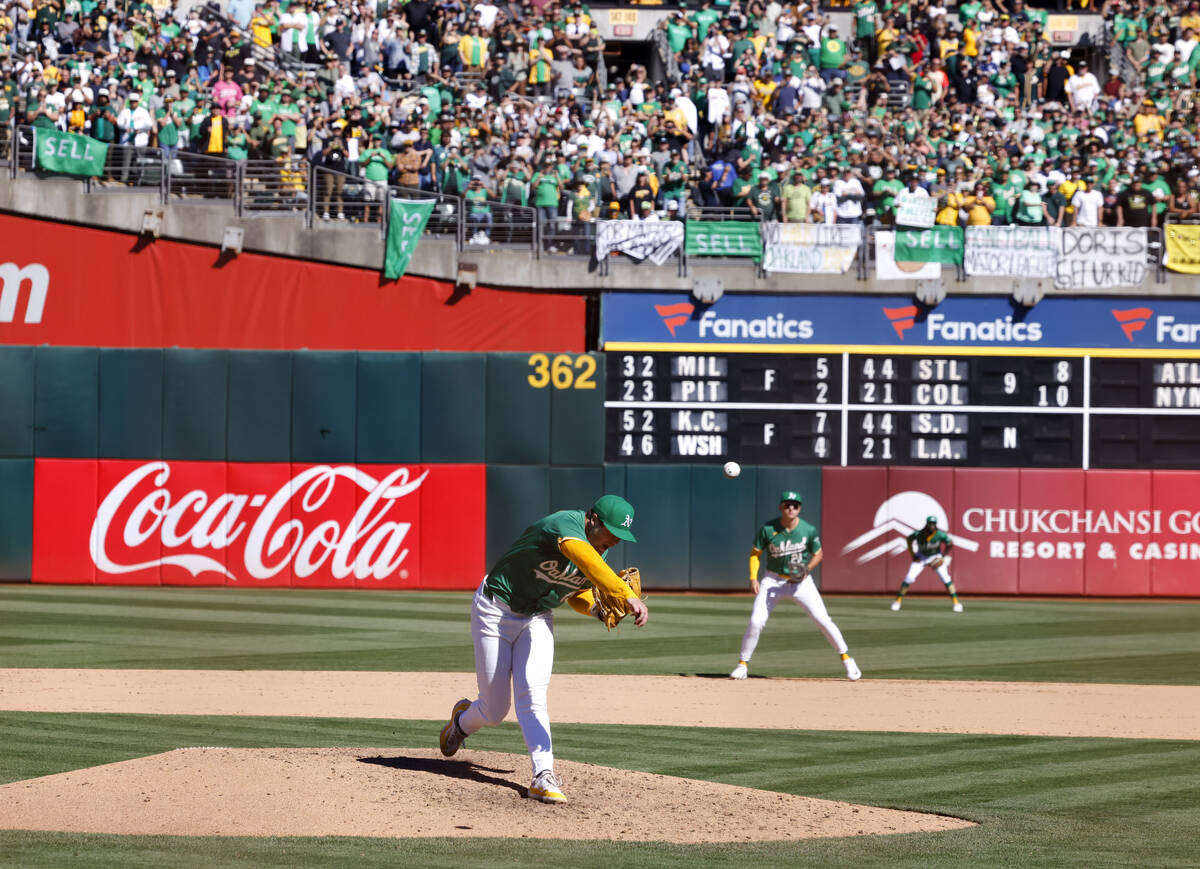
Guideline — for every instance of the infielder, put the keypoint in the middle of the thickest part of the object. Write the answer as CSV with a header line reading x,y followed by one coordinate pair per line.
x,y
929,547
512,624
793,550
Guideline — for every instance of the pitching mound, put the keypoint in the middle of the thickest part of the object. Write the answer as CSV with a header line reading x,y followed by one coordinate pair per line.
x,y
416,792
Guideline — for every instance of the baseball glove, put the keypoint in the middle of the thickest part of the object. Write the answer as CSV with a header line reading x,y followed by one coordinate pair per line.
x,y
937,562
611,609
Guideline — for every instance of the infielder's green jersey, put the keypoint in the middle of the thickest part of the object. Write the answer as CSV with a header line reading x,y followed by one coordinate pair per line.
x,y
533,576
788,552
928,543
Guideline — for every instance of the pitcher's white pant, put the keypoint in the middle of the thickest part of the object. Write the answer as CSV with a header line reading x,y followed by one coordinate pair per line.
x,y
516,649
914,570
773,588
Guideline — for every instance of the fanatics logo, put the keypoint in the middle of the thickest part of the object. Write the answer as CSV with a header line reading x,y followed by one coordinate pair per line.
x,y
675,315
1132,320
901,515
902,319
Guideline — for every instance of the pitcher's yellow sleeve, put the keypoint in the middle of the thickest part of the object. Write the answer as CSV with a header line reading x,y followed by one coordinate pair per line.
x,y
754,553
587,559
581,601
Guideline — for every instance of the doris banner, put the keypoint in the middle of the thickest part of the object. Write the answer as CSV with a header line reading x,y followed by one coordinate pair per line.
x,y
257,524
1065,532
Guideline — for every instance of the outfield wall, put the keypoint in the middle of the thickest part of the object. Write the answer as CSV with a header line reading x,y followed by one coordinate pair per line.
x,y
212,426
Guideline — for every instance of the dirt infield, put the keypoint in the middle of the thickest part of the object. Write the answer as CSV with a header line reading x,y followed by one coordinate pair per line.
x,y
415,792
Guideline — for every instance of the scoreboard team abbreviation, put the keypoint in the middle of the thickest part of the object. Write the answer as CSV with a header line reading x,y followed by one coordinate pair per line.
x,y
1078,410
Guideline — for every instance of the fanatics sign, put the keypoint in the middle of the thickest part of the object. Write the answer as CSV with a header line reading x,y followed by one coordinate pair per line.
x,y
256,525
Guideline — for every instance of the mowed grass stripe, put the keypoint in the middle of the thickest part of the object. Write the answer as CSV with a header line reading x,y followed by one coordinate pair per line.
x,y
1090,641
1041,802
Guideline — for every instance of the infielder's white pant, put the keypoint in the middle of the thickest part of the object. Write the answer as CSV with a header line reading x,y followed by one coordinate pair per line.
x,y
519,650
916,567
773,588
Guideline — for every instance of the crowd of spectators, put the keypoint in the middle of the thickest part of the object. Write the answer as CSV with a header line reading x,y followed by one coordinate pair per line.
x,y
766,110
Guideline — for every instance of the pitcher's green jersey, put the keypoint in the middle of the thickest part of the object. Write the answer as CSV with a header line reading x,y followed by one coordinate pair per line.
x,y
927,544
787,551
533,576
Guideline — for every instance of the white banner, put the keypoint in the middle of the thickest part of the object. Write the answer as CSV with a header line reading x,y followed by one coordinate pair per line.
x,y
654,240
1011,251
887,269
810,248
1102,257
914,210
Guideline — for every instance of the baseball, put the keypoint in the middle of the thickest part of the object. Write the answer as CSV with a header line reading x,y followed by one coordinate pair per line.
x,y
732,469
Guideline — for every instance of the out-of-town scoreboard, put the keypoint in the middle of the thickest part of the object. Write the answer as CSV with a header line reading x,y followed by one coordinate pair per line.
x,y
979,406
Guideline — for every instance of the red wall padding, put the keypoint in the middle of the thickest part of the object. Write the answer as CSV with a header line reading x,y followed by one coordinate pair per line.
x,y
112,289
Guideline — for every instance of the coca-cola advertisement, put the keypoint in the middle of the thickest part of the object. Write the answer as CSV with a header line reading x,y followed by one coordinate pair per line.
x,y
1016,531
70,285
258,525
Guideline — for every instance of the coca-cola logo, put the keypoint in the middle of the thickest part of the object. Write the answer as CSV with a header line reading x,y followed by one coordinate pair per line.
x,y
288,529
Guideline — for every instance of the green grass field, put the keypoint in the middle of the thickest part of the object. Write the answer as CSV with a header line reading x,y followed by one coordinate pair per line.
x,y
1039,801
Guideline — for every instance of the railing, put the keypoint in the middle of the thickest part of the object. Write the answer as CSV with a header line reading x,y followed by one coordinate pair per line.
x,y
326,197
273,186
341,199
202,178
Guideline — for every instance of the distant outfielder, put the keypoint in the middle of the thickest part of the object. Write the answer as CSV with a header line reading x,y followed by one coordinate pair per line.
x,y
793,549
929,547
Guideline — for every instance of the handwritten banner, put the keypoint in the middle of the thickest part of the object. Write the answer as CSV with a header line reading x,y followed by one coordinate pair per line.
x,y
723,238
1183,249
941,244
655,240
1012,251
1101,258
69,153
810,248
888,269
914,210
406,222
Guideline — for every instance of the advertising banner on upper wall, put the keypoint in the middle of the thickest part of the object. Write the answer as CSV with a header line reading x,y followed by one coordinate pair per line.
x,y
759,323
69,285
256,525
1016,531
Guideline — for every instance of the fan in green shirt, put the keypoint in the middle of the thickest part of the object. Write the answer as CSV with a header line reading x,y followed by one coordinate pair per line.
x,y
704,18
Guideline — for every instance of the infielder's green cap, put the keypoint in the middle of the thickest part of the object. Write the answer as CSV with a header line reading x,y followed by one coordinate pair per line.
x,y
931,520
790,495
617,515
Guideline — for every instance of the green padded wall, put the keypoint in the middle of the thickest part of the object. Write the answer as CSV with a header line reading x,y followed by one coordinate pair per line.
x,y
577,414
517,496
517,424
323,406
16,401
16,518
195,390
66,402
723,525
131,403
260,406
661,499
453,407
575,488
389,407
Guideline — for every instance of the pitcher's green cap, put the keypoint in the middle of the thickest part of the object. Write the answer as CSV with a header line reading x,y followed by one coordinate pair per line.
x,y
931,520
617,515
790,495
